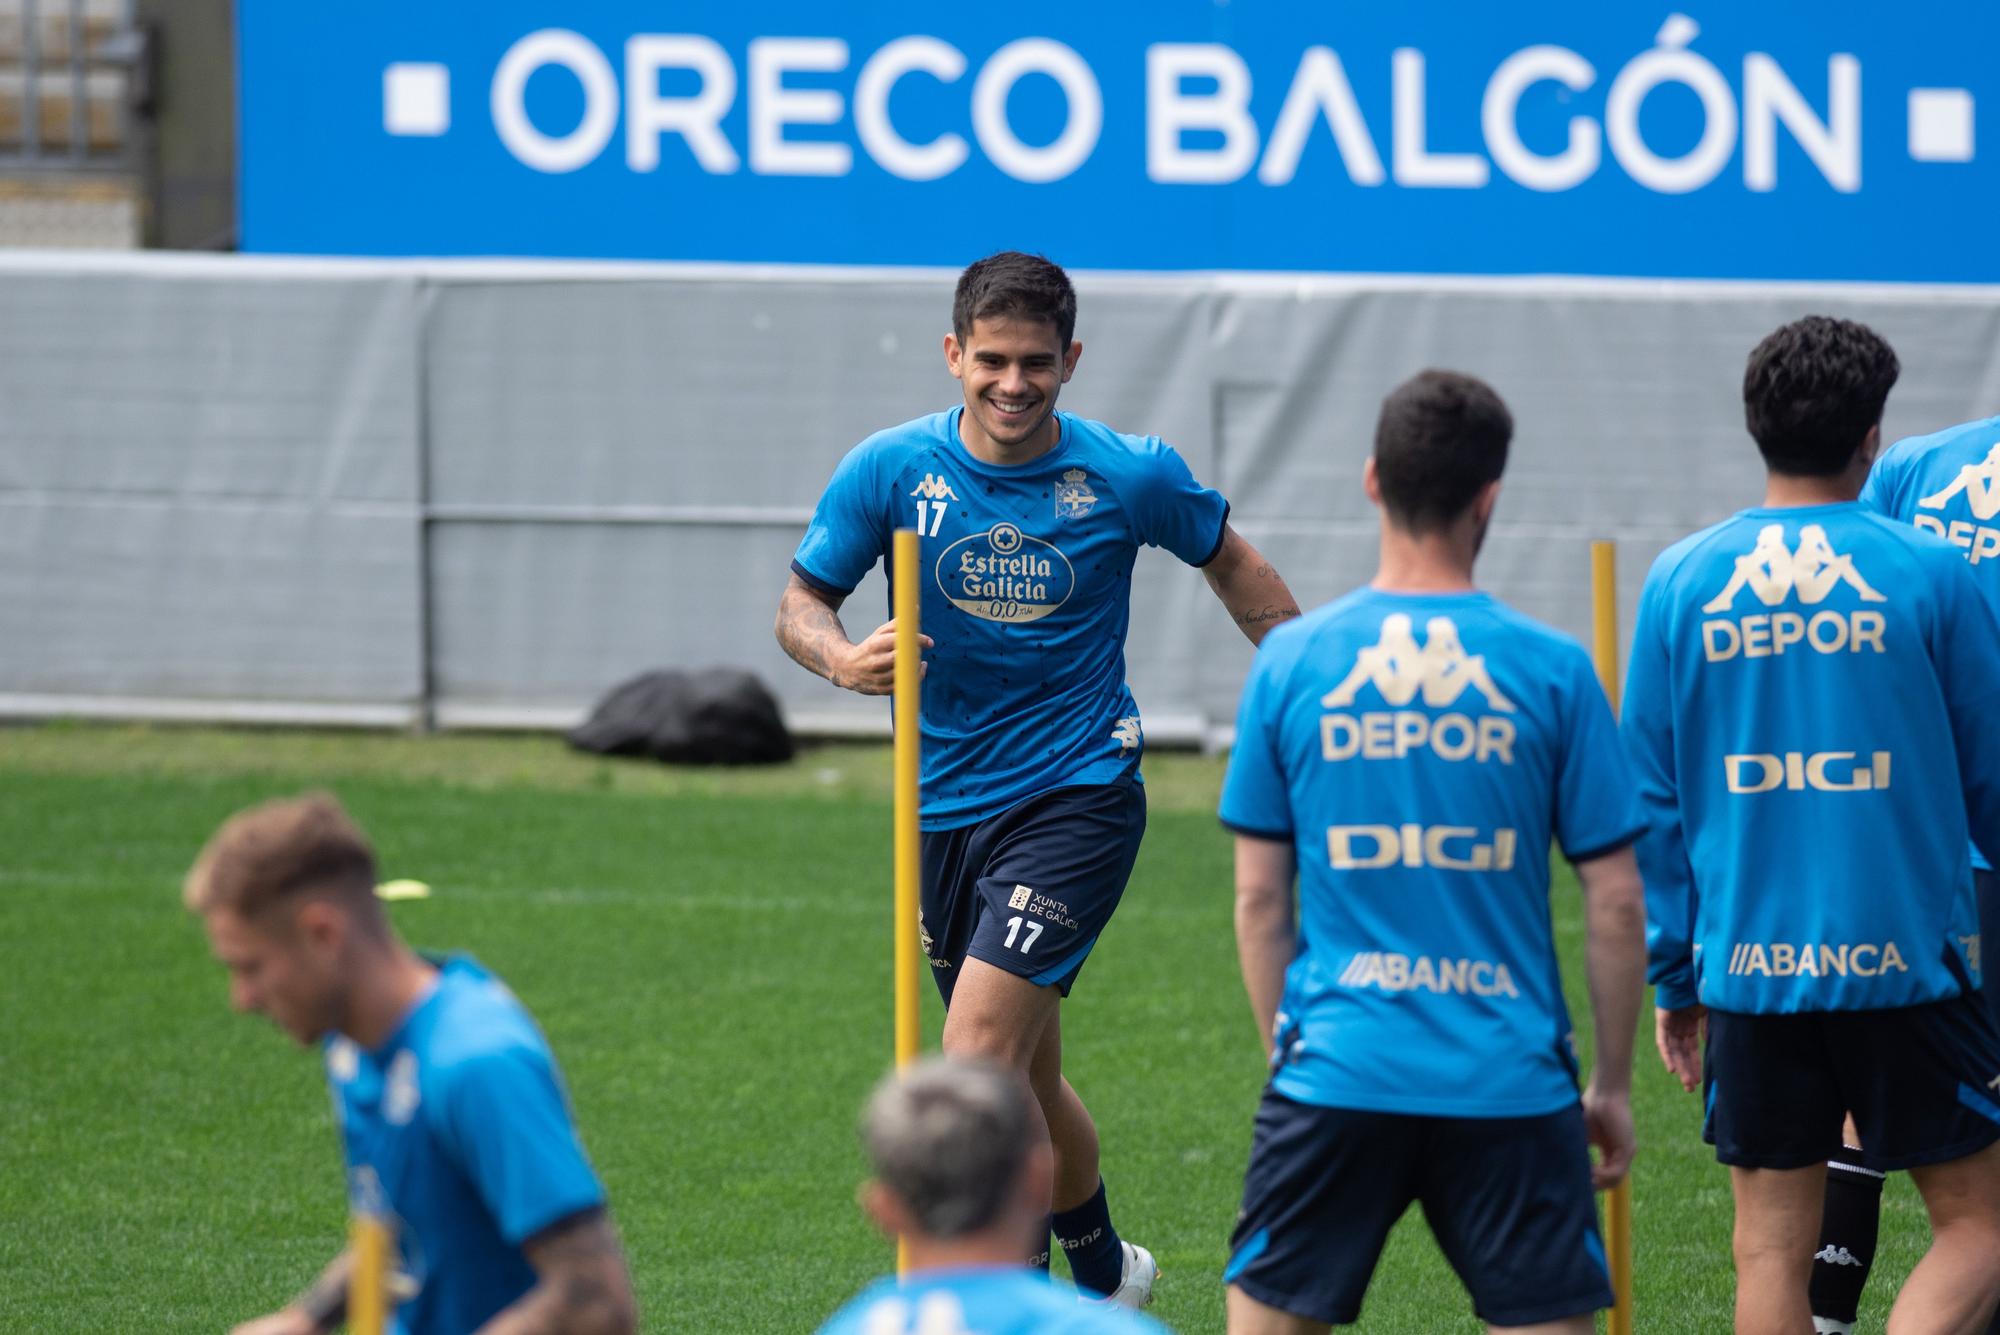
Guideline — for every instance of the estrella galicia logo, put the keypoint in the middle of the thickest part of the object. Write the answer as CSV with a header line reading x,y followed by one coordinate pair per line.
x,y
1006,575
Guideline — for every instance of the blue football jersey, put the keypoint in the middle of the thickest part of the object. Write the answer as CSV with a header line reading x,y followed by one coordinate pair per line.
x,y
998,1301
1421,753
1949,484
1810,708
1027,581
458,1132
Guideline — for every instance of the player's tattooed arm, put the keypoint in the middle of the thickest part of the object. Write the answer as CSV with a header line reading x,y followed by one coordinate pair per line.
x,y
319,1309
1249,586
810,631
582,1286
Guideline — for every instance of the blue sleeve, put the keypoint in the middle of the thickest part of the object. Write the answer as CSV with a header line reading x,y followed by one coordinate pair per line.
x,y
1172,510
849,531
1966,649
1597,801
1663,856
1255,797
844,1322
509,1126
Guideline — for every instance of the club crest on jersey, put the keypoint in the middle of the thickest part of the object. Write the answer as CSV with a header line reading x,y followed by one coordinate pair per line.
x,y
1074,498
1777,574
1005,575
934,488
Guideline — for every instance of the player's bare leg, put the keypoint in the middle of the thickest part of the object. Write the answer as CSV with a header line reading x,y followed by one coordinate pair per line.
x,y
1777,1223
1010,1021
1000,1017
1954,1288
1071,1129
1247,1316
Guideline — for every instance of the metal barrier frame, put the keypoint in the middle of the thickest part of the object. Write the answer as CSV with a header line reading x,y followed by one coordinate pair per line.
x,y
123,52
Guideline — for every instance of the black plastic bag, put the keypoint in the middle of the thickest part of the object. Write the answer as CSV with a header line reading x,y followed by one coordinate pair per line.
x,y
715,716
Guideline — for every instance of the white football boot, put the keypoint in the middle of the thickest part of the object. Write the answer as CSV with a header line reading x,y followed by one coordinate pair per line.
x,y
1136,1276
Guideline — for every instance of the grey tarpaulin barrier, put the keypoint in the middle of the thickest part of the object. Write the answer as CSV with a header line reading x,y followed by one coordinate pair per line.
x,y
480,493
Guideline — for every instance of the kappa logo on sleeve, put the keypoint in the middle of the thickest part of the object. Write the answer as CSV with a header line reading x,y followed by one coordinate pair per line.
x,y
1777,574
1979,484
1442,672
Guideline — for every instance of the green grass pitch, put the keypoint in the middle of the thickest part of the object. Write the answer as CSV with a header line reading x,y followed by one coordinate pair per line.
x,y
709,953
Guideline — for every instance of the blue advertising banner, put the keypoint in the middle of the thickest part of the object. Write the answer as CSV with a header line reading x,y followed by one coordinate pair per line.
x,y
1810,139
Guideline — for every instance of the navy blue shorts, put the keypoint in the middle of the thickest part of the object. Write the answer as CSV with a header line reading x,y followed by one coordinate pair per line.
x,y
1028,890
1923,1083
1508,1199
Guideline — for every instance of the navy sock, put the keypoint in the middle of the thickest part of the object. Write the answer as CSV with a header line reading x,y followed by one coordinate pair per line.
x,y
1095,1258
1848,1228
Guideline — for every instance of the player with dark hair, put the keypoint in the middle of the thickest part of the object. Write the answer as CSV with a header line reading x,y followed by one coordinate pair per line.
x,y
962,1181
1030,520
1406,755
1810,710
452,1114
1947,483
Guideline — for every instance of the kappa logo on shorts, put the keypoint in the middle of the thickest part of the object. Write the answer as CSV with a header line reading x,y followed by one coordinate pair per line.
x,y
1981,484
1019,899
1399,667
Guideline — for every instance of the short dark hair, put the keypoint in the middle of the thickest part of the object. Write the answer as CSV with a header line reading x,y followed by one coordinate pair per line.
x,y
1441,438
1014,286
1812,392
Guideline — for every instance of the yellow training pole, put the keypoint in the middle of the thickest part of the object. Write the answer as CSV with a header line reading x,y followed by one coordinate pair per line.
x,y
908,970
368,1282
1604,615
1618,1204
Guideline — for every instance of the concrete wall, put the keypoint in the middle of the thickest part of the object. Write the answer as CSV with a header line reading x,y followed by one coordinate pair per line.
x,y
482,493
